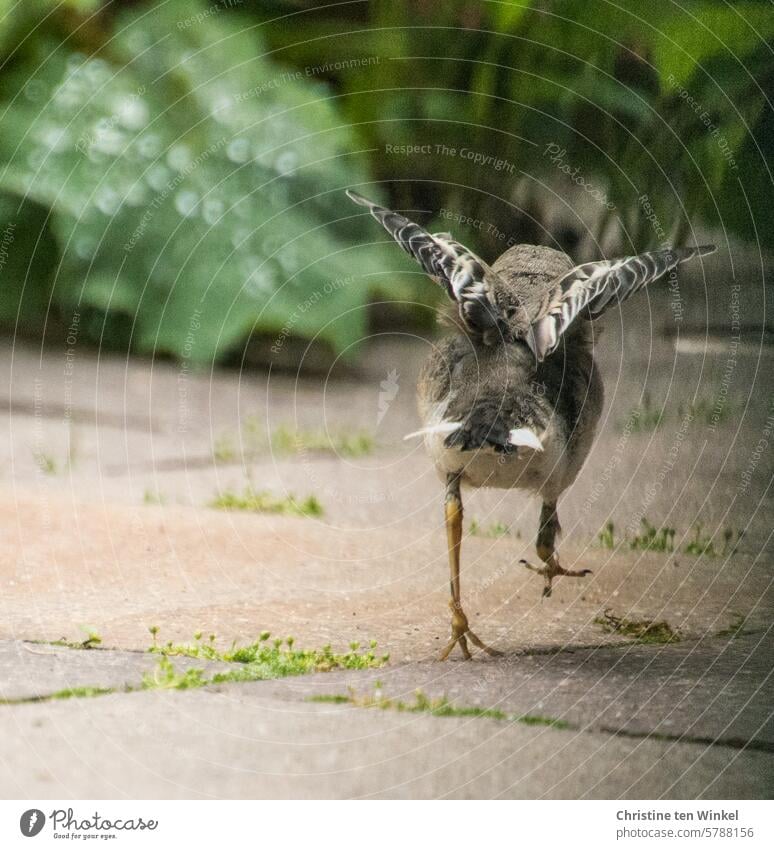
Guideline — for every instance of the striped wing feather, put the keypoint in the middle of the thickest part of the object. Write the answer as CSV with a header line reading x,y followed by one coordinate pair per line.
x,y
463,275
594,286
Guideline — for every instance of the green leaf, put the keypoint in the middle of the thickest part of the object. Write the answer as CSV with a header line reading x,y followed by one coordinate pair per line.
x,y
693,35
195,188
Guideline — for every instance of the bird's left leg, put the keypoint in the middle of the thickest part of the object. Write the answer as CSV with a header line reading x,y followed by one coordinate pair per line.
x,y
459,624
546,549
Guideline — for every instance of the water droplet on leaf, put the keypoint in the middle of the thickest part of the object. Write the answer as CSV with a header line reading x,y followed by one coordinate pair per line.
x,y
186,201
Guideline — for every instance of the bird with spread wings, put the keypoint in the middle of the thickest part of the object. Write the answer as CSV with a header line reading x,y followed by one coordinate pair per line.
x,y
513,399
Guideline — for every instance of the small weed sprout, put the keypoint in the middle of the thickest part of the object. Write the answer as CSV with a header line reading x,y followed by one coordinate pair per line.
x,y
707,411
644,417
653,539
494,530
607,536
45,462
92,638
165,677
700,545
81,692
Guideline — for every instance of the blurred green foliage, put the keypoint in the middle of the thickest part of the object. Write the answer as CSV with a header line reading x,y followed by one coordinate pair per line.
x,y
184,199
171,174
651,97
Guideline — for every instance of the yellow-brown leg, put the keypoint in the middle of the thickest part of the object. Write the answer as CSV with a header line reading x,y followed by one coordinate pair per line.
x,y
459,624
546,550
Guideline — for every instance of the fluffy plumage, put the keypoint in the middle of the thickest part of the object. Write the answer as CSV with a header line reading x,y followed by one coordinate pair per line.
x,y
514,399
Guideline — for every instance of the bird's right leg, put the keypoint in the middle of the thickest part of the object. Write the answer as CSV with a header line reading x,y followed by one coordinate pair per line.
x,y
546,549
459,624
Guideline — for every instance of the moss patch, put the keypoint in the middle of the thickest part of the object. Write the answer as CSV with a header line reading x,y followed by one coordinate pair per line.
x,y
435,707
642,630
257,661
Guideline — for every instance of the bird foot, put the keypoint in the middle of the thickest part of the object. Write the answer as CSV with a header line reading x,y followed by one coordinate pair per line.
x,y
551,570
461,633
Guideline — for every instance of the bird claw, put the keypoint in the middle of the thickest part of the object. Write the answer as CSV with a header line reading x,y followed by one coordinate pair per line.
x,y
552,570
461,633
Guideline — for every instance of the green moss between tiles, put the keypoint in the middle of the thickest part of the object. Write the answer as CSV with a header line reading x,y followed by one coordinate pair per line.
x,y
261,660
270,658
435,707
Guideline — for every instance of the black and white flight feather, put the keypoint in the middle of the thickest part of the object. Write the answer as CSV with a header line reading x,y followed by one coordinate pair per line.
x,y
465,277
585,290
592,287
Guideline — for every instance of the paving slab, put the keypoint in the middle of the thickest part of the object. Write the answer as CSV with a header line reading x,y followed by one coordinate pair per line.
x,y
83,451
203,744
119,571
35,671
718,691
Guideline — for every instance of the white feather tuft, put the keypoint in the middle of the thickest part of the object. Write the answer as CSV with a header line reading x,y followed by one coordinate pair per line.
x,y
442,427
525,437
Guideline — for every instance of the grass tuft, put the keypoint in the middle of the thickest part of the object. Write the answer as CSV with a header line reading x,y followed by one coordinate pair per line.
x,y
493,530
653,539
92,640
223,449
607,536
258,661
662,540
329,699
263,502
644,417
359,443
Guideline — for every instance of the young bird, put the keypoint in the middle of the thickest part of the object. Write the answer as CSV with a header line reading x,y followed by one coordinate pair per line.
x,y
513,399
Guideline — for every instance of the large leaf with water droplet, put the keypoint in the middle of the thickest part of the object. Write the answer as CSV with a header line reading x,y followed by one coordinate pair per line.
x,y
195,188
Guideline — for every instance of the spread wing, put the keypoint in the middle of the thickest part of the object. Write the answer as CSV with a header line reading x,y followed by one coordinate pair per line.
x,y
594,286
465,277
